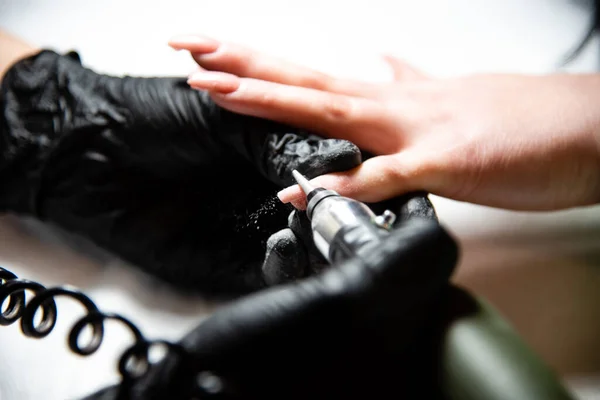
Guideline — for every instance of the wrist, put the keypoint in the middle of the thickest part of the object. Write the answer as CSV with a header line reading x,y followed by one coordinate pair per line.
x,y
591,101
582,116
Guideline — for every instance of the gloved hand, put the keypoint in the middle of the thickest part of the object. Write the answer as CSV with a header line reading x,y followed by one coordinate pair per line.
x,y
356,330
157,173
151,169
291,252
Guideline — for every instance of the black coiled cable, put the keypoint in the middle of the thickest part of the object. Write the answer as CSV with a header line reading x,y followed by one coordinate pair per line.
x,y
133,363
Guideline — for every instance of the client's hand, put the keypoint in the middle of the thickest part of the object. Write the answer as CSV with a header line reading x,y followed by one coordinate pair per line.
x,y
152,170
512,141
357,330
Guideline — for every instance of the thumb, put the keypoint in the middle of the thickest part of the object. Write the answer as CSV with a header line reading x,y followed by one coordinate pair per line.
x,y
402,71
377,179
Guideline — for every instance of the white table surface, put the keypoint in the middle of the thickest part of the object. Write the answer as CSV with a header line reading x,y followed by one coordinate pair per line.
x,y
541,270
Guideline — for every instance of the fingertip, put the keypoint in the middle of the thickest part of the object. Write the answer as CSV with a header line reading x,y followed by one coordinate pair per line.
x,y
219,82
289,194
336,181
285,259
294,196
194,43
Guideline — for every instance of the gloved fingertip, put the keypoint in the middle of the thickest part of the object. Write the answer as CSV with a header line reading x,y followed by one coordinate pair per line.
x,y
285,259
334,155
419,206
310,155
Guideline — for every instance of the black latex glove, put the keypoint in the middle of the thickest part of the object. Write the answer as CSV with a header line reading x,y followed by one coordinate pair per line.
x,y
152,170
158,174
355,330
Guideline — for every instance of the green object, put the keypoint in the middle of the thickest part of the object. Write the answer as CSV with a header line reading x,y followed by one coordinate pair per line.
x,y
483,358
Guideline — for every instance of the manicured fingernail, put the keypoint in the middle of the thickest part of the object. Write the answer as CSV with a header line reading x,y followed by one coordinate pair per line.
x,y
214,81
284,194
194,43
293,194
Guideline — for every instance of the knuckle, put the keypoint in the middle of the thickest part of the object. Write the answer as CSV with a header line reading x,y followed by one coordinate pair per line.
x,y
318,81
339,109
236,57
394,171
451,174
412,172
265,98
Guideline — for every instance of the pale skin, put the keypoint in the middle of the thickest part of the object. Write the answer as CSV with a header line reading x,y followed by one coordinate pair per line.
x,y
511,141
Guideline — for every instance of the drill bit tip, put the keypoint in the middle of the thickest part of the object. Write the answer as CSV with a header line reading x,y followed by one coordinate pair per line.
x,y
303,182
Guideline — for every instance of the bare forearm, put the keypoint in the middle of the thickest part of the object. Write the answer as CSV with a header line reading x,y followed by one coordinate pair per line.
x,y
12,49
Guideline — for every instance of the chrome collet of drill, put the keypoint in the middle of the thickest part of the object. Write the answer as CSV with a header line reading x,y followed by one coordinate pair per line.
x,y
342,227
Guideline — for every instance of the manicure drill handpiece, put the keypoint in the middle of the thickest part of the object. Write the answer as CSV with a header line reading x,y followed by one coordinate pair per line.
x,y
476,339
342,227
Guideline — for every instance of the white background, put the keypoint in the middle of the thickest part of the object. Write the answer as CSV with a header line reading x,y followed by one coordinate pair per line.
x,y
541,270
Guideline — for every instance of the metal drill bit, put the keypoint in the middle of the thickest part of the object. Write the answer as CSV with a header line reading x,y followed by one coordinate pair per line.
x,y
303,182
